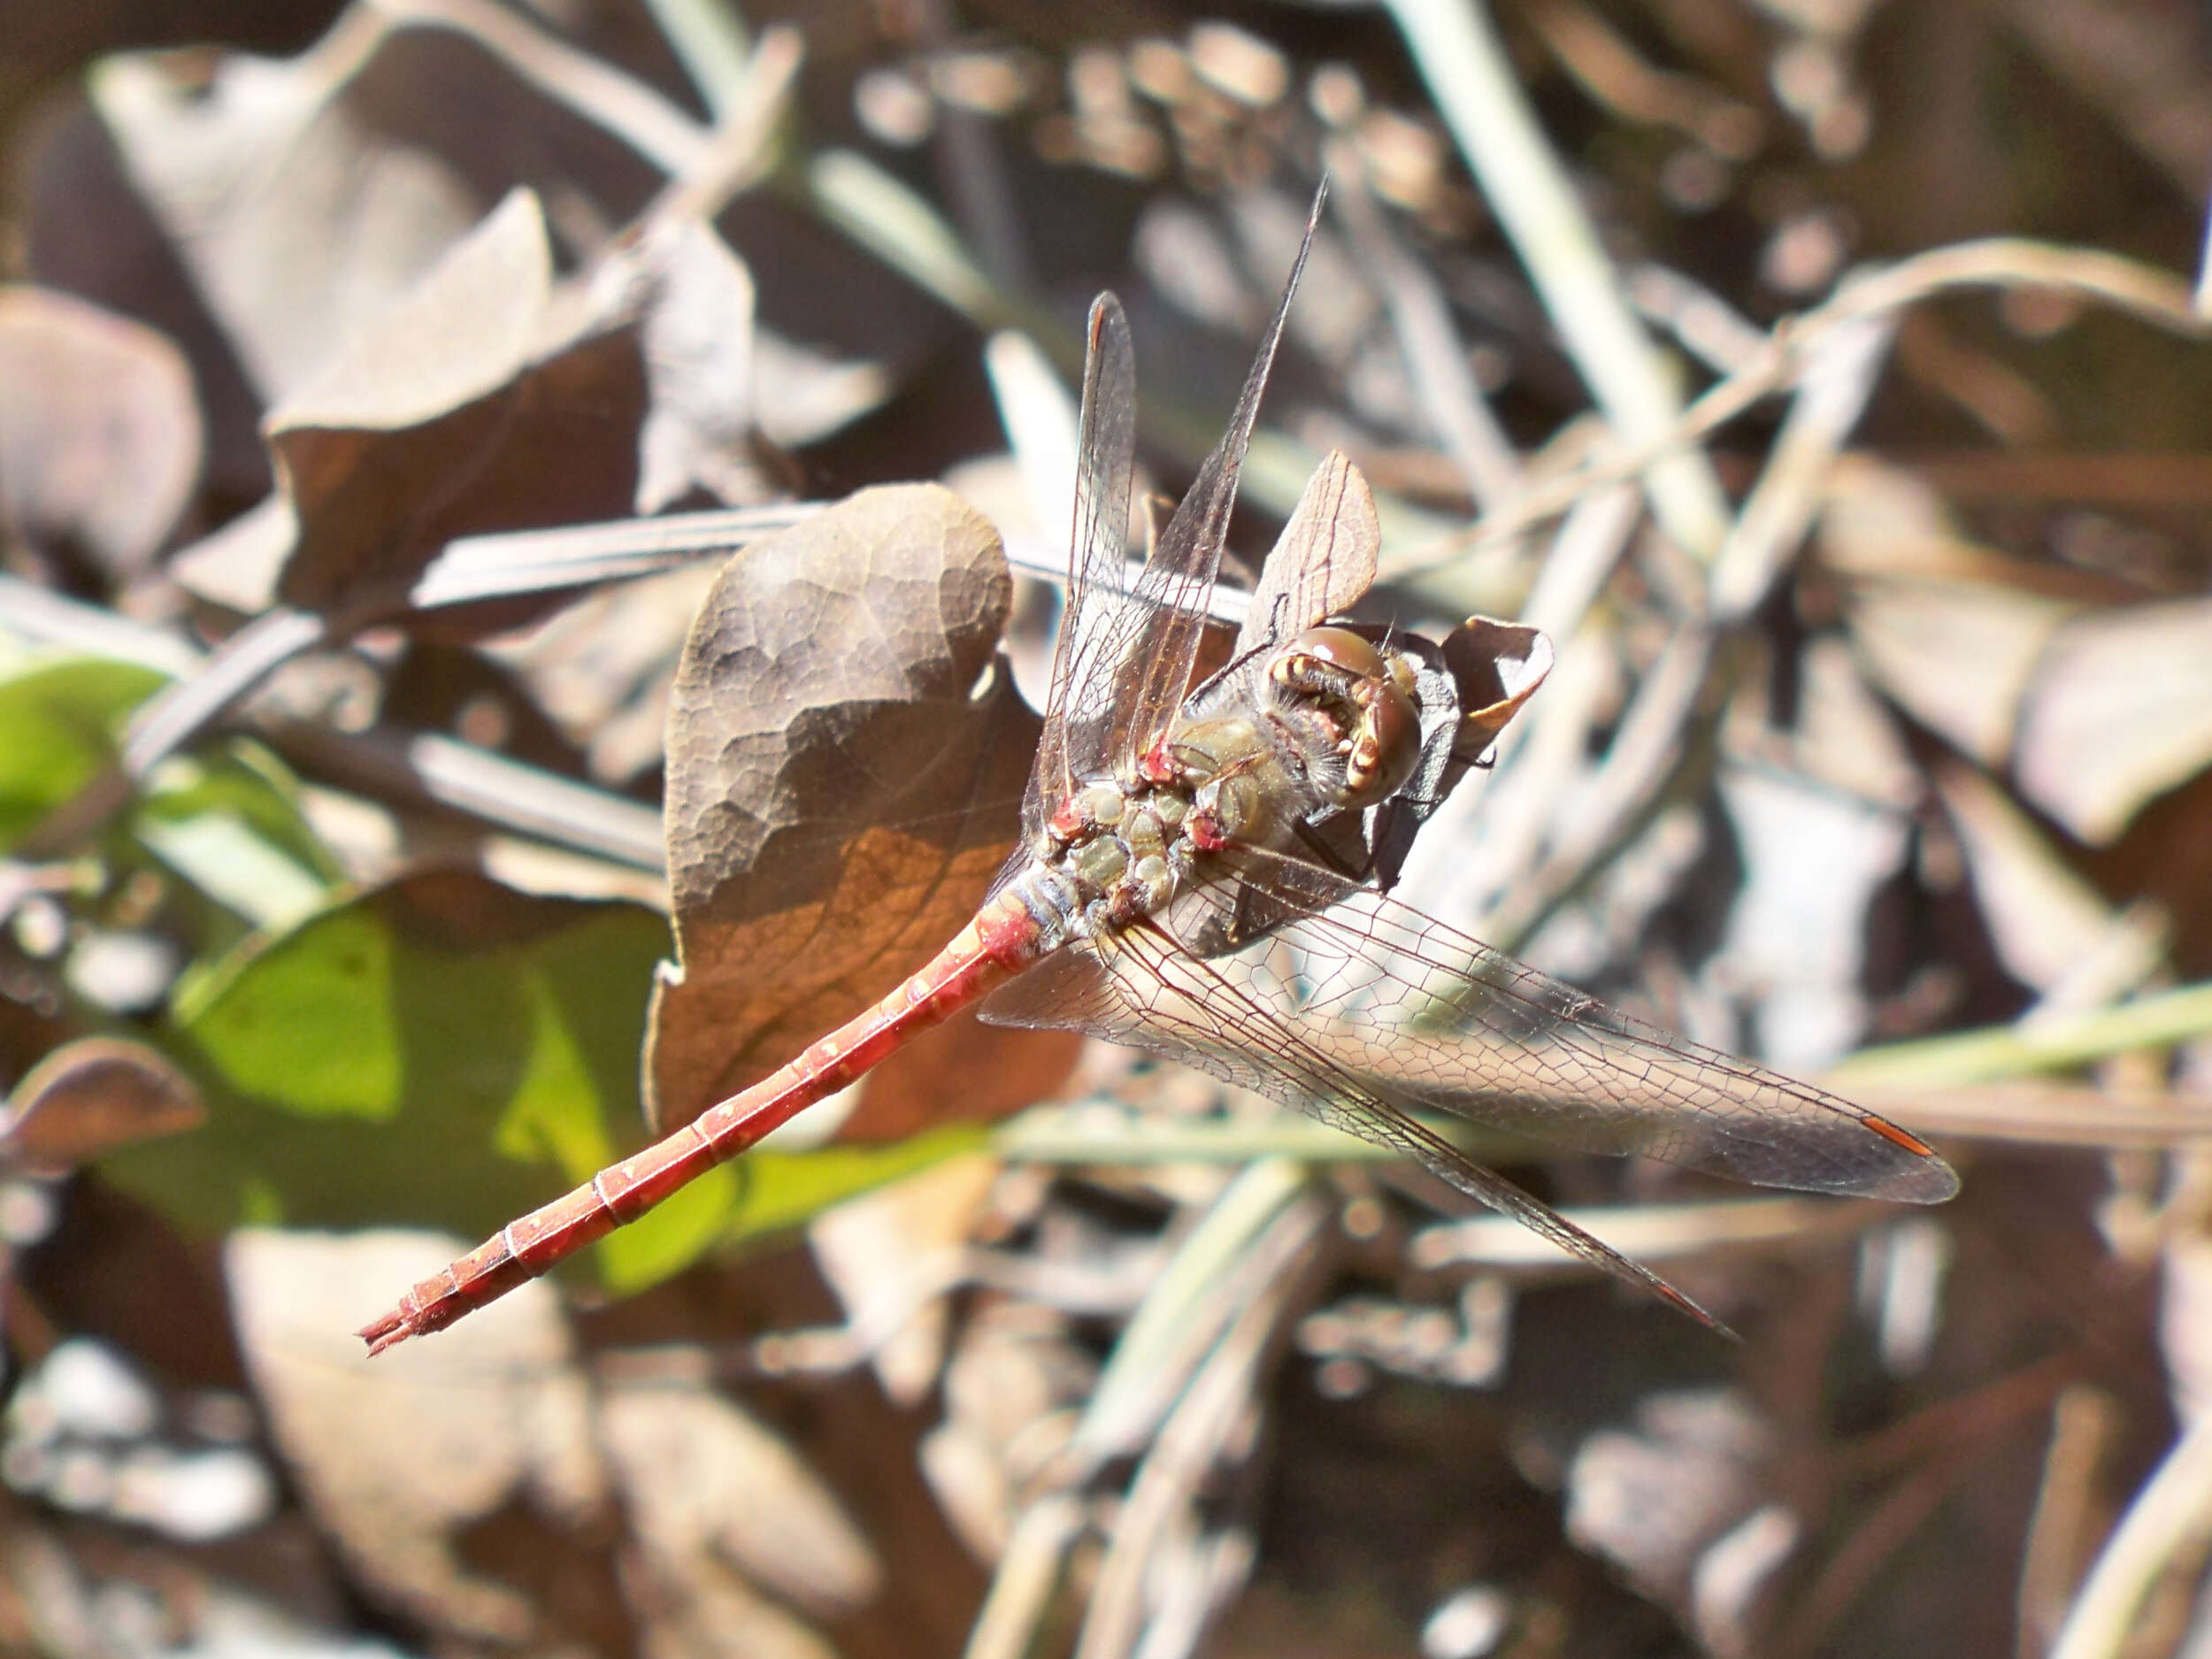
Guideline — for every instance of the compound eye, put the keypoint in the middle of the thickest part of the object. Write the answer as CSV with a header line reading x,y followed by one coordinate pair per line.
x,y
1385,747
1340,648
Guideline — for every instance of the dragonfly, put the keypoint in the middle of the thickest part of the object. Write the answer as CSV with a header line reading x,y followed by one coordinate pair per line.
x,y
1197,876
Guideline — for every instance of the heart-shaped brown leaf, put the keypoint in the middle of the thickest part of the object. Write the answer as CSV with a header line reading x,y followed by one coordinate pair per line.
x,y
846,755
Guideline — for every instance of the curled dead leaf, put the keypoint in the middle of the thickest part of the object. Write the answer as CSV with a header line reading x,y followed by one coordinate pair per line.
x,y
474,402
90,1097
1498,666
491,397
295,214
695,301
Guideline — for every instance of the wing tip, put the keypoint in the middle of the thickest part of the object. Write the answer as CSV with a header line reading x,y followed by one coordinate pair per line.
x,y
1924,1179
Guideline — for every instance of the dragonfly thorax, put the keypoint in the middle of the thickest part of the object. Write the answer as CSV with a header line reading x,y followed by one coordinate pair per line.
x,y
1327,722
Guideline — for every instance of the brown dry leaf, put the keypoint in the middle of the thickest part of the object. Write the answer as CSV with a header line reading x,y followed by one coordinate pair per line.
x,y
475,402
90,1097
399,1454
1958,657
296,217
707,1489
1950,630
490,398
601,667
2121,711
1879,520
1498,666
99,430
2044,919
961,1071
839,793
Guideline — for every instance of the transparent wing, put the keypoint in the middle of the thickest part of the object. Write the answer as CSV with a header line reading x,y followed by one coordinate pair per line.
x,y
1323,562
1086,663
1142,987
1149,643
1432,1019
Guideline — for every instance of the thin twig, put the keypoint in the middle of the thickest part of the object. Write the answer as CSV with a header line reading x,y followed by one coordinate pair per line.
x,y
739,152
2153,296
625,108
1479,95
1840,380
1189,1443
2174,1507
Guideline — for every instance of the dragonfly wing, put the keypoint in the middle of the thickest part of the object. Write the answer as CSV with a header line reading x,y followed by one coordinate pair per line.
x,y
1143,988
1434,1020
1067,991
1323,562
1087,665
1157,634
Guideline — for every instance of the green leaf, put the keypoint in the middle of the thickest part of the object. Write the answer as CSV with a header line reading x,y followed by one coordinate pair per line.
x,y
228,822
447,1052
672,1236
311,1023
60,721
784,1189
442,1052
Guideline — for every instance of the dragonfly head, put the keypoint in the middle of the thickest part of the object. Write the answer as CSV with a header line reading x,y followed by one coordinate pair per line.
x,y
1361,698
